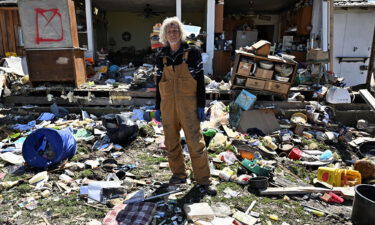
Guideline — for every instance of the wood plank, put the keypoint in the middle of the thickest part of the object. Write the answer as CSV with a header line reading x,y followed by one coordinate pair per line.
x,y
347,191
269,58
8,30
2,52
368,97
12,36
73,24
17,24
4,37
99,101
8,8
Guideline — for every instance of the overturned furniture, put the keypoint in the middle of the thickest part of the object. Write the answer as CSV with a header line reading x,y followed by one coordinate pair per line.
x,y
49,29
266,75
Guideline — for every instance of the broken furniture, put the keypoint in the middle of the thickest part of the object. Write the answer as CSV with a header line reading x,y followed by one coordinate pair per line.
x,y
49,65
249,72
51,41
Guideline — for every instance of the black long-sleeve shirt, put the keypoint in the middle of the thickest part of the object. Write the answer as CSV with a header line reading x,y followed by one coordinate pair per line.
x,y
195,66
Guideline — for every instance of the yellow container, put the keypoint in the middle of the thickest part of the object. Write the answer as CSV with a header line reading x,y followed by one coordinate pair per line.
x,y
339,177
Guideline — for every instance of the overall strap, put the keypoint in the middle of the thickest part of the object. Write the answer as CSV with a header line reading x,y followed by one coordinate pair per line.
x,y
185,57
165,61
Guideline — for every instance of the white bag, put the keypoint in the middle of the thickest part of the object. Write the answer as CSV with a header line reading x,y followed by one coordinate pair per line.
x,y
337,95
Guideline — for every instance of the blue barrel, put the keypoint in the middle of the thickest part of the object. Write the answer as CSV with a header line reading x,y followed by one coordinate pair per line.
x,y
45,147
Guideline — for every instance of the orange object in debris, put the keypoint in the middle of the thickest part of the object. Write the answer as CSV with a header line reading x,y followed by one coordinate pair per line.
x,y
339,177
246,154
90,60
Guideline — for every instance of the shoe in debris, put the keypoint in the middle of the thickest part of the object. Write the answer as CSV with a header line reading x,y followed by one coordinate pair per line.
x,y
177,180
207,189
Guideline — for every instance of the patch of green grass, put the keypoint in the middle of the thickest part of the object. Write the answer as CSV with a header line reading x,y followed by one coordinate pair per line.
x,y
80,153
301,171
146,131
11,177
85,173
223,185
321,145
24,188
151,159
70,207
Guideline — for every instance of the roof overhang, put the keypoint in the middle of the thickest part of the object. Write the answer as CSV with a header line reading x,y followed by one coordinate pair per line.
x,y
231,7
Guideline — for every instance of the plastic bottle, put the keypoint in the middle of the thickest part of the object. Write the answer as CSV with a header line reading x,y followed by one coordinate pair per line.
x,y
66,179
226,174
315,212
326,155
38,177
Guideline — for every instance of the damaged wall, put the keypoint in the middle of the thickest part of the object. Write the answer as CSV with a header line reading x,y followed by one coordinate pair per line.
x,y
140,28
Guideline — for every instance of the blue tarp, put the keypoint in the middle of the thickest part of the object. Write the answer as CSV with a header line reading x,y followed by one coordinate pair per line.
x,y
45,147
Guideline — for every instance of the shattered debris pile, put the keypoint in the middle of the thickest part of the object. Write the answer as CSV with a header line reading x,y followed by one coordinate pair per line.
x,y
58,167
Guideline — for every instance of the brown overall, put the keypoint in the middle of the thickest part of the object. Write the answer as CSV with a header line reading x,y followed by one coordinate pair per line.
x,y
178,92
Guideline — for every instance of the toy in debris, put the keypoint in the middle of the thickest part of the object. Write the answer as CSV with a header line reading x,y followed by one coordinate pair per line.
x,y
339,177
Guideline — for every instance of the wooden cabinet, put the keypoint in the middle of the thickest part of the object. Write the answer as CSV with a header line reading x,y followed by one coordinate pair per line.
x,y
263,80
222,64
56,66
303,21
300,56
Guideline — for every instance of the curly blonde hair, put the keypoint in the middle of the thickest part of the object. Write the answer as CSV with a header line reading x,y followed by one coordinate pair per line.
x,y
171,21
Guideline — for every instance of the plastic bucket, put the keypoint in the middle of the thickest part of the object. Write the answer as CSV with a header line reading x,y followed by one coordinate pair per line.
x,y
364,205
45,147
295,154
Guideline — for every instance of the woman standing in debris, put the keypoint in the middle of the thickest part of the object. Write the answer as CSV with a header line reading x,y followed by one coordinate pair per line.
x,y
180,99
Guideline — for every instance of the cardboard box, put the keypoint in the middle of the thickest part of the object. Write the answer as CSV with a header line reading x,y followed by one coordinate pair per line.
x,y
255,83
245,100
244,68
262,73
277,87
317,55
262,48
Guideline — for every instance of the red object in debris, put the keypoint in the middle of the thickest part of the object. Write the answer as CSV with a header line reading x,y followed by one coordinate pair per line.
x,y
335,198
332,198
295,154
236,222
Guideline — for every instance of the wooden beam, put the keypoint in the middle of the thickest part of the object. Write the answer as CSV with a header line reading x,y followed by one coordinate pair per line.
x,y
8,8
368,97
3,32
348,192
11,30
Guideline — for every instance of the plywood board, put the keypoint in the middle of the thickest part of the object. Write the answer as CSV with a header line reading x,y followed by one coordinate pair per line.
x,y
48,24
368,97
261,119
